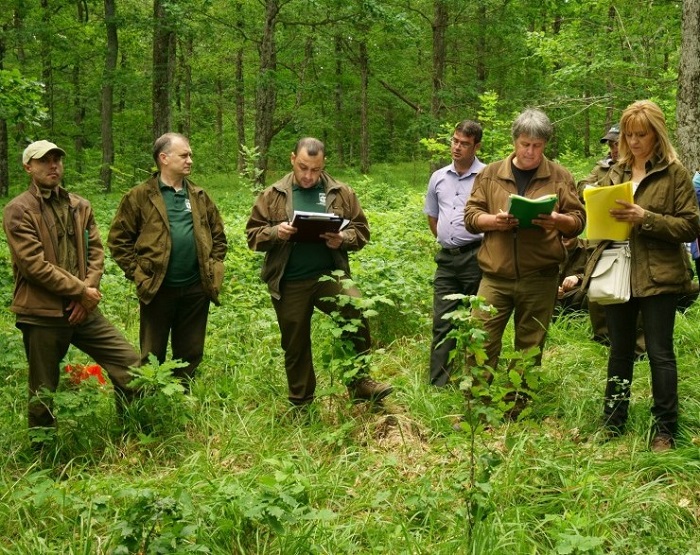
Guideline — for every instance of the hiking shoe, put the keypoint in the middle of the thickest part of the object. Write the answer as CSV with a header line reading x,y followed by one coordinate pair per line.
x,y
662,442
520,402
366,389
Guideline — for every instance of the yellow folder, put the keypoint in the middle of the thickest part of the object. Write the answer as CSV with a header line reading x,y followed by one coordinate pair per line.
x,y
599,201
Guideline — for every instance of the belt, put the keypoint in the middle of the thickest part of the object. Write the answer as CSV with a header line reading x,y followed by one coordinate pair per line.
x,y
464,248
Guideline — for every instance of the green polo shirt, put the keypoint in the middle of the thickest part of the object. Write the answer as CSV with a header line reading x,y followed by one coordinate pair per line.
x,y
183,267
308,260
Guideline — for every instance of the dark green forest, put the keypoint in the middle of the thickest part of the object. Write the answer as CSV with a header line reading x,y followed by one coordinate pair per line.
x,y
244,79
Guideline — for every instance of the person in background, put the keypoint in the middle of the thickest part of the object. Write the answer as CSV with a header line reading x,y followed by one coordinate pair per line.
x,y
457,268
611,138
57,262
595,311
168,238
664,216
292,269
695,245
521,266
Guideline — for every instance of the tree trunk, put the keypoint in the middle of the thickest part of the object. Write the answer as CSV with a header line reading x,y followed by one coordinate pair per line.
x,y
364,108
439,55
338,101
163,68
46,65
219,126
688,96
107,108
78,102
4,147
240,91
185,88
266,90
481,54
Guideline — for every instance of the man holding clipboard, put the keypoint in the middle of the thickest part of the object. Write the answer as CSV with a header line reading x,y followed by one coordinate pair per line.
x,y
292,268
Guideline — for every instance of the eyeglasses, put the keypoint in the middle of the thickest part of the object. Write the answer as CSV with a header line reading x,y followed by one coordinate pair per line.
x,y
464,144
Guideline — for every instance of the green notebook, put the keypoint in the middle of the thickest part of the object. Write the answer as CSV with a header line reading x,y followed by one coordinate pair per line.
x,y
527,209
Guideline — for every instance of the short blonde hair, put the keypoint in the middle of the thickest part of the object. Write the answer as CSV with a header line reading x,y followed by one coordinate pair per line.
x,y
647,115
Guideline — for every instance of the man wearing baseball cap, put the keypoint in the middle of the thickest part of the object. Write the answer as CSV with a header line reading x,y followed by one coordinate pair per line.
x,y
602,166
57,262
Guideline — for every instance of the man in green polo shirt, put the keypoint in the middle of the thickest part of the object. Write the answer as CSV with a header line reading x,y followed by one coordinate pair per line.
x,y
168,238
292,269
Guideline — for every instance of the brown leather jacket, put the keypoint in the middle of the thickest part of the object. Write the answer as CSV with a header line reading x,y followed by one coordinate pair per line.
x,y
41,287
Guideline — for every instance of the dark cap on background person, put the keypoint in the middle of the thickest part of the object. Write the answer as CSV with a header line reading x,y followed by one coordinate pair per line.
x,y
613,135
39,149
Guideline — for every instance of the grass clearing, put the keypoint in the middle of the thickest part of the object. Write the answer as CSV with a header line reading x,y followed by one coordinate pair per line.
x,y
244,474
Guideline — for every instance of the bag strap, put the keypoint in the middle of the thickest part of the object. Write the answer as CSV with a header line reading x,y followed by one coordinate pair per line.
x,y
592,260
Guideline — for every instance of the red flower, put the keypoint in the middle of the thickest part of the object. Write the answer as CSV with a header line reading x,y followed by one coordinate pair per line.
x,y
80,372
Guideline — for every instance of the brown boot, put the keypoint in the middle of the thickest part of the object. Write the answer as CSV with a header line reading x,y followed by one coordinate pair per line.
x,y
366,389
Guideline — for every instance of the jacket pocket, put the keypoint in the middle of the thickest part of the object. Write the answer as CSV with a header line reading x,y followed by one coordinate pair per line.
x,y
666,265
143,275
216,274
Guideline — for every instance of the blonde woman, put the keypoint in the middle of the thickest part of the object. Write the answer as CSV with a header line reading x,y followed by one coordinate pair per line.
x,y
664,216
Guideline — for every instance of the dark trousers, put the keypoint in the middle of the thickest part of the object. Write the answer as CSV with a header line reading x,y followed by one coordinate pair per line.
x,y
455,273
658,317
294,310
178,313
46,346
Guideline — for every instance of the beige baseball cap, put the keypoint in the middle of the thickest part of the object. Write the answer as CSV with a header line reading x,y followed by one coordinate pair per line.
x,y
38,149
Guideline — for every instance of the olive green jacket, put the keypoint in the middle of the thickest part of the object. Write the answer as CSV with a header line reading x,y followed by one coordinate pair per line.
x,y
139,239
660,259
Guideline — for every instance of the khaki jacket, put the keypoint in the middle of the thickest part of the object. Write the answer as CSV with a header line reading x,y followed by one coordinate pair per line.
x,y
41,287
660,259
274,206
522,252
139,239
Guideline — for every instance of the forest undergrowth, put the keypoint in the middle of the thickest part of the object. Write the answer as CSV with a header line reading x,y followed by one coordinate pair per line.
x,y
230,469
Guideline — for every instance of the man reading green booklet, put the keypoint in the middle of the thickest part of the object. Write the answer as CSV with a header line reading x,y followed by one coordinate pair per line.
x,y
527,209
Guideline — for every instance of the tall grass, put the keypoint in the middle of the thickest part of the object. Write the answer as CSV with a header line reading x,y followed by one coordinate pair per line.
x,y
245,475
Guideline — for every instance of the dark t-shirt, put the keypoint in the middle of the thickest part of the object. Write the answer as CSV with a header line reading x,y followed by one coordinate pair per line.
x,y
522,178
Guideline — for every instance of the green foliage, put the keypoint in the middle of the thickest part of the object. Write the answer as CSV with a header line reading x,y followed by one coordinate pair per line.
x,y
162,405
154,524
496,143
21,99
238,475
251,171
439,147
340,356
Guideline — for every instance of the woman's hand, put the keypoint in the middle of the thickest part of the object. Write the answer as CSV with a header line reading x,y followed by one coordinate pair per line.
x,y
629,212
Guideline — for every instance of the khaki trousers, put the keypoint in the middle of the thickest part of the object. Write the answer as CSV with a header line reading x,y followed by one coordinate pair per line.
x,y
530,300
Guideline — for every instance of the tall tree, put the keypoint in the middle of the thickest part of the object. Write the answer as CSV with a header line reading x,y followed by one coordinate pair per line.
x,y
164,53
79,110
688,102
439,27
107,106
4,144
266,88
239,88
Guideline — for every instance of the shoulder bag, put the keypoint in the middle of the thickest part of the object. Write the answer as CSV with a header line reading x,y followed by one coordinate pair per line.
x,y
610,279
